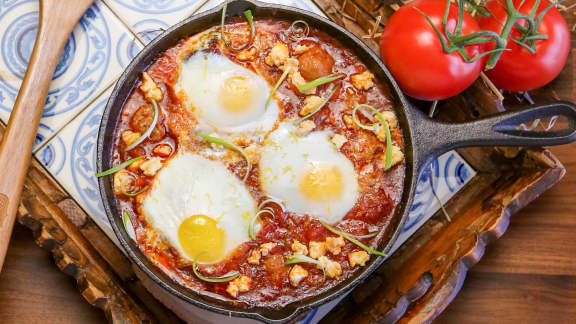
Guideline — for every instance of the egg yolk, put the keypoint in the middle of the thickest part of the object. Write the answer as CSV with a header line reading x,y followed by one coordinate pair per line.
x,y
237,93
200,233
321,183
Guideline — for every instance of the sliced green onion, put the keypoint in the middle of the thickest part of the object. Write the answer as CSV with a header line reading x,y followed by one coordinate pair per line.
x,y
365,236
300,258
118,167
353,240
149,130
130,194
252,225
219,141
299,120
320,81
128,225
272,200
299,36
249,18
230,276
372,127
276,86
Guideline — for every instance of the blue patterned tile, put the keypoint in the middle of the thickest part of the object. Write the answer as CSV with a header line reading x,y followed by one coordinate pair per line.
x,y
149,17
70,157
86,67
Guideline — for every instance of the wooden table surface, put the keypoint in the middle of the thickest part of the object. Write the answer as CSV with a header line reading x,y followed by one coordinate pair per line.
x,y
528,276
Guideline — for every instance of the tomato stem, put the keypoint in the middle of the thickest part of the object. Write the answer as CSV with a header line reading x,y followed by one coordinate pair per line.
x,y
455,41
529,32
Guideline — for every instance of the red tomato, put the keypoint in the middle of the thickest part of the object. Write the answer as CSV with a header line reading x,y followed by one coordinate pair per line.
x,y
518,69
413,52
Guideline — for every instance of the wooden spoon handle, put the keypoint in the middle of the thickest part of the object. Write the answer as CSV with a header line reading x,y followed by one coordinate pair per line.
x,y
57,19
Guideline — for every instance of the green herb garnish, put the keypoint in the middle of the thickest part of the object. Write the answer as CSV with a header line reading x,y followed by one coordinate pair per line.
x,y
149,130
272,200
230,276
365,236
298,35
353,240
118,167
219,141
372,127
276,86
320,81
252,225
300,258
299,120
128,225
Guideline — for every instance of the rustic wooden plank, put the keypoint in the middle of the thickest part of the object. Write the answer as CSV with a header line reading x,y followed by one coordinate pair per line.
x,y
509,298
33,291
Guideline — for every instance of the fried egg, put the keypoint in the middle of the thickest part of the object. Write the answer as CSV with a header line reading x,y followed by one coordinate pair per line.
x,y
225,96
308,174
199,206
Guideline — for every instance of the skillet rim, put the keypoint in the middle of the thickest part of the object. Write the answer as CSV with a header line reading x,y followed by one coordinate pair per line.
x,y
105,144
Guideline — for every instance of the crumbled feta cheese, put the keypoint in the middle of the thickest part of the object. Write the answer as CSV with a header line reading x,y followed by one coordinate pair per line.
x,y
331,268
362,81
297,274
311,103
240,284
299,248
135,166
334,244
120,179
317,249
151,166
149,87
254,257
163,150
129,137
278,55
298,80
358,258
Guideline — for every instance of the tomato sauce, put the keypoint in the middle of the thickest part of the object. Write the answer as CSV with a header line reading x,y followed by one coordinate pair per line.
x,y
380,190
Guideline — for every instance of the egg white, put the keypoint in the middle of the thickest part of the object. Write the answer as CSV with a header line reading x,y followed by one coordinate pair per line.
x,y
192,185
201,78
283,164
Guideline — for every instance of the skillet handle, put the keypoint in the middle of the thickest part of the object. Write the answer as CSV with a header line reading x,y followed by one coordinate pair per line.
x,y
434,138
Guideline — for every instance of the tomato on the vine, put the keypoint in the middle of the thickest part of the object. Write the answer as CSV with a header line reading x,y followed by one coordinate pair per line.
x,y
518,69
413,52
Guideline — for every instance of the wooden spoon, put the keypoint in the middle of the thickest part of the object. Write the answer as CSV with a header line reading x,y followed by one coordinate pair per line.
x,y
57,19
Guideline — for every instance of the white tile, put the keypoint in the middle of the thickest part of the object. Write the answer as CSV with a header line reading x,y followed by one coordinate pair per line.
x,y
444,177
92,58
149,17
71,158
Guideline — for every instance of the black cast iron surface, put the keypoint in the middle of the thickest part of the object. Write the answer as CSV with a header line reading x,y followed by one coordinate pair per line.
x,y
424,140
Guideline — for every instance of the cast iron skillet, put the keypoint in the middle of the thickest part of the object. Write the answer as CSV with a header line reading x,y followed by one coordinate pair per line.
x,y
424,138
